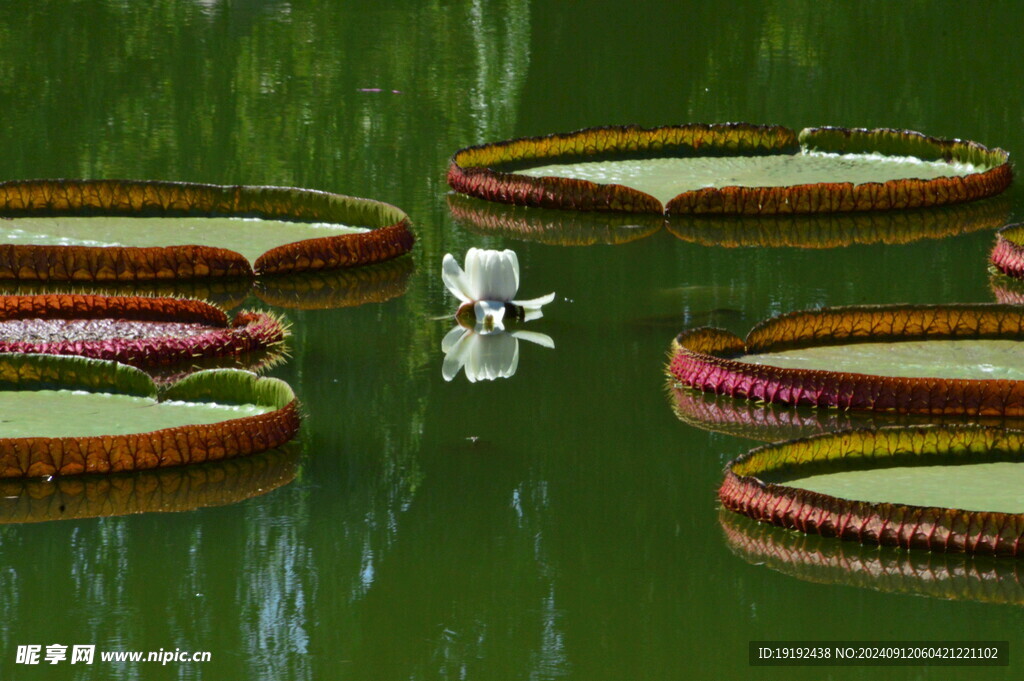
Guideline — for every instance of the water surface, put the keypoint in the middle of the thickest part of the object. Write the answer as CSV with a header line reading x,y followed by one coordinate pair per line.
x,y
557,524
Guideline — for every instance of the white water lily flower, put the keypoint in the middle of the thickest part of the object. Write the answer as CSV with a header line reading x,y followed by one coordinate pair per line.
x,y
488,285
486,355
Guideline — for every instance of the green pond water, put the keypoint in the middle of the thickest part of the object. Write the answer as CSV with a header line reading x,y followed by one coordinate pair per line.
x,y
557,524
31,413
976,487
666,178
249,236
912,359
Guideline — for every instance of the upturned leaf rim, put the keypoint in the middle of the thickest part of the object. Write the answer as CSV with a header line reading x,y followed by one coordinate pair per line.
x,y
487,171
703,358
946,530
179,445
389,235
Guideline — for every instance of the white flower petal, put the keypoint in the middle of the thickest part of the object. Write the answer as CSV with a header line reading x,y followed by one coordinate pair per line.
x,y
494,274
535,303
455,279
511,256
541,339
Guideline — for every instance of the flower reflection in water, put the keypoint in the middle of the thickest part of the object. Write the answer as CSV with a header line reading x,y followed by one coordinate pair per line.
x,y
486,355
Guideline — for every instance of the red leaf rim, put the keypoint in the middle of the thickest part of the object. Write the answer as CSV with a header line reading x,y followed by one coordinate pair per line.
x,y
889,524
702,358
477,171
250,331
1008,254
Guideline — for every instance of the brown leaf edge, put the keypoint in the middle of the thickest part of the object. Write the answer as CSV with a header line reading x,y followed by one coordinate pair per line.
x,y
389,235
703,359
945,530
181,445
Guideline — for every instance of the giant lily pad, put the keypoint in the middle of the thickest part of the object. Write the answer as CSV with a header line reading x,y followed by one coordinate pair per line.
x,y
941,488
161,490
129,231
143,332
812,558
69,415
928,359
732,168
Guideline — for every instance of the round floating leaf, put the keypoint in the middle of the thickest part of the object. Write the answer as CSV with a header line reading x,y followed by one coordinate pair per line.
x,y
140,331
185,488
812,558
131,231
942,488
719,362
733,168
70,415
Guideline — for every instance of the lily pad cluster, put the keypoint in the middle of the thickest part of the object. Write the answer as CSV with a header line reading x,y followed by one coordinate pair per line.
x,y
114,418
947,488
75,397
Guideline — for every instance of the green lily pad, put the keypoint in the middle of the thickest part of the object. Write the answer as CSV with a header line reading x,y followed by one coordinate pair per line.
x,y
138,231
993,486
30,413
66,415
251,237
978,359
666,178
942,488
910,359
730,169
